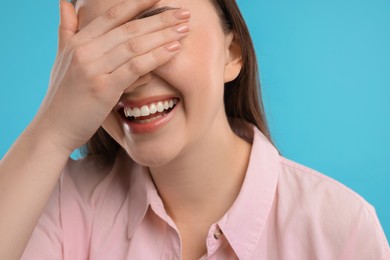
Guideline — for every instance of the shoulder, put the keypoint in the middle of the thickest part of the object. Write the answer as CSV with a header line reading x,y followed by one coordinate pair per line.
x,y
84,179
66,221
313,192
298,178
324,208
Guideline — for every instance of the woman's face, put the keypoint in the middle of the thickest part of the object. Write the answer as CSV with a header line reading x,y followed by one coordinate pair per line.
x,y
195,77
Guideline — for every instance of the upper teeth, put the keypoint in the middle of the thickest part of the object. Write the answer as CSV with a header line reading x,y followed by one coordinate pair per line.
x,y
150,109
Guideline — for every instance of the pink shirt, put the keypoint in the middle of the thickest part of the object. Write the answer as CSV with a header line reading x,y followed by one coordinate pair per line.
x,y
284,211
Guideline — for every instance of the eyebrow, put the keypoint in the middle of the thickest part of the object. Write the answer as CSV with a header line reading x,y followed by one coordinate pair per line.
x,y
155,11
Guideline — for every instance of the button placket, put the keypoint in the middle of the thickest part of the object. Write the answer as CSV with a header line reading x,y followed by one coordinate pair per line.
x,y
214,240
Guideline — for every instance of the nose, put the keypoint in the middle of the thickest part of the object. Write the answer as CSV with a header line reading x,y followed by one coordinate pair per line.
x,y
143,80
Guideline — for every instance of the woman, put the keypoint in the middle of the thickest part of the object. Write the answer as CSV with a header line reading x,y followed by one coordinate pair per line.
x,y
182,166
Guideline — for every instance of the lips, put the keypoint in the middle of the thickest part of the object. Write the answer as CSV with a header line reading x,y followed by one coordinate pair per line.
x,y
147,115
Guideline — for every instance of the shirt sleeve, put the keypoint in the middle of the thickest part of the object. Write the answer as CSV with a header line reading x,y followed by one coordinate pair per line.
x,y
367,240
46,239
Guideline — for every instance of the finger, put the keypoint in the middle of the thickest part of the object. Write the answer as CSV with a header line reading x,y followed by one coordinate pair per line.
x,y
68,24
129,72
114,17
139,46
136,28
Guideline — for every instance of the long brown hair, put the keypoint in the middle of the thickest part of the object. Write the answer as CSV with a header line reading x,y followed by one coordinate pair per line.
x,y
242,96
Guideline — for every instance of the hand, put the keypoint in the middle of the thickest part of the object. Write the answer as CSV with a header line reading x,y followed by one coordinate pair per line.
x,y
94,66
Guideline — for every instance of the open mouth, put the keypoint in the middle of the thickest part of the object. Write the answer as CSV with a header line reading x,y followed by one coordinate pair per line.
x,y
148,113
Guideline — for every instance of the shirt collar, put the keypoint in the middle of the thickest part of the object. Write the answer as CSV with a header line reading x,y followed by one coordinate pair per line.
x,y
142,194
244,223
138,195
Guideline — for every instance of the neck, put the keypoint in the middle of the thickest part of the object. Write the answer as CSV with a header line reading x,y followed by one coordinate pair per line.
x,y
204,182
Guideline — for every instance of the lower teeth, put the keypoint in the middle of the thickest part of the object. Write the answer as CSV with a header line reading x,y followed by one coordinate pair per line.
x,y
148,120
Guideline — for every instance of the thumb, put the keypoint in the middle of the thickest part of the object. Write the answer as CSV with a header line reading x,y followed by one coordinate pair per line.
x,y
68,24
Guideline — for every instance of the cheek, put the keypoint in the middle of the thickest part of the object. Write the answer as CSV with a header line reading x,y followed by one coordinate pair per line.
x,y
205,49
204,58
199,64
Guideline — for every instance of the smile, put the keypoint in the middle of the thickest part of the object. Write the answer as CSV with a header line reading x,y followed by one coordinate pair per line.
x,y
144,113
146,118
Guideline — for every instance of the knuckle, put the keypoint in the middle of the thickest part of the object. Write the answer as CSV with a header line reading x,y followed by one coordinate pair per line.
x,y
97,86
88,74
165,18
131,27
113,13
133,46
85,74
80,55
135,67
96,91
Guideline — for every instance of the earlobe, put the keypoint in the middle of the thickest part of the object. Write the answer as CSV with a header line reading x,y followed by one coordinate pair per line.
x,y
233,60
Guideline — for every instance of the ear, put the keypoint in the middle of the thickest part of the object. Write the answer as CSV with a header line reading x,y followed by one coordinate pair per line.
x,y
233,58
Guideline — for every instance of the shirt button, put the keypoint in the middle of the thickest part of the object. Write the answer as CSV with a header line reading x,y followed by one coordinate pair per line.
x,y
217,234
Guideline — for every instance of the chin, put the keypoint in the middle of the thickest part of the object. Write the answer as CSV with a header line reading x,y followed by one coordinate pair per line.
x,y
150,150
150,159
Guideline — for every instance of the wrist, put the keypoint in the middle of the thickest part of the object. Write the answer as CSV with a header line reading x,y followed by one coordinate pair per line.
x,y
45,136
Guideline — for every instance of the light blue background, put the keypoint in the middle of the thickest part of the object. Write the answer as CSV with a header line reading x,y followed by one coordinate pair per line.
x,y
325,73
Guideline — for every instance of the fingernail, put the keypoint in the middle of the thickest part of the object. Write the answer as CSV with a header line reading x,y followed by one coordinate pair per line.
x,y
182,14
182,28
174,46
